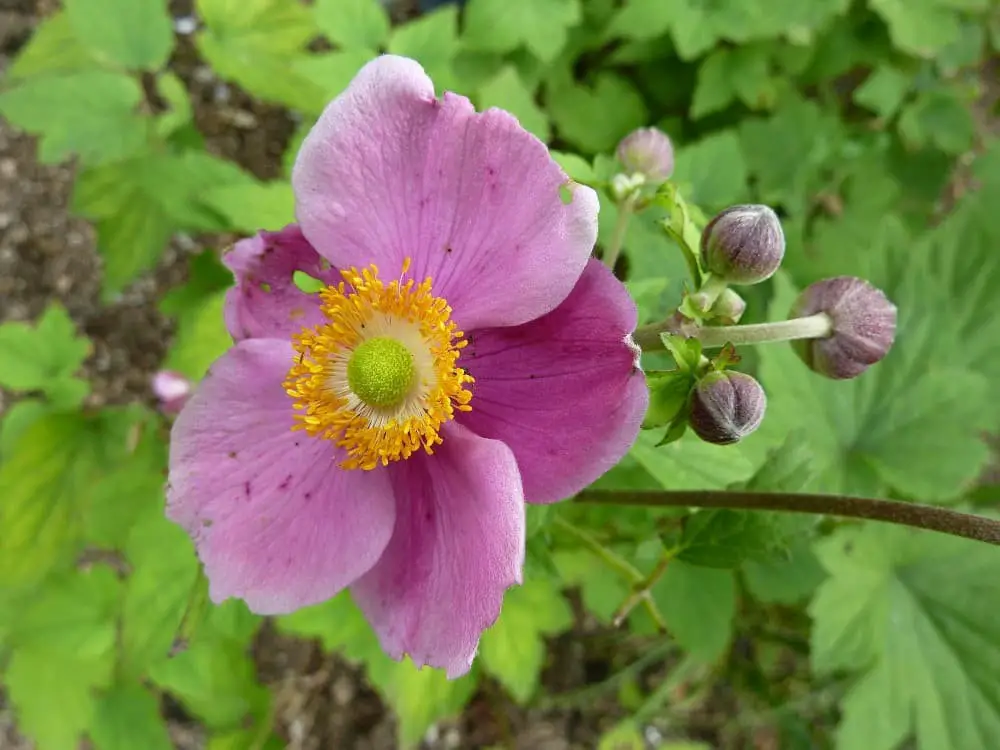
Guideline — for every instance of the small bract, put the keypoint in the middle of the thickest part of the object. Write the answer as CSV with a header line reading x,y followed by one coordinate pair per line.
x,y
464,356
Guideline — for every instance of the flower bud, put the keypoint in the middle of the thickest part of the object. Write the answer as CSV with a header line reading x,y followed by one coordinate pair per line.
x,y
728,308
863,321
649,152
726,406
743,244
172,390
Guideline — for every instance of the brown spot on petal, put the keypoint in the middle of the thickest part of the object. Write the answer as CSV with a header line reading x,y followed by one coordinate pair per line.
x,y
296,313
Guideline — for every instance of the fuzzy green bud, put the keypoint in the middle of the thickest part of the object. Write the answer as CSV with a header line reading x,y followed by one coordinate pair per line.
x,y
728,308
726,406
743,244
648,152
863,322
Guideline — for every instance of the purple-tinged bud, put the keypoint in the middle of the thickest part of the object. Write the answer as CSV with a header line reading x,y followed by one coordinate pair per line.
x,y
863,321
728,308
743,244
726,406
649,152
172,390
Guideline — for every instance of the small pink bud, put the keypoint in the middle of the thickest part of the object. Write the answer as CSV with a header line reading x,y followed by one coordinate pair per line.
x,y
743,244
864,326
172,389
726,406
649,152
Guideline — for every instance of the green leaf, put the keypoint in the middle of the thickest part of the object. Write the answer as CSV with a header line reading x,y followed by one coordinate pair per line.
x,y
138,204
602,591
698,605
17,419
595,117
201,338
251,206
624,736
965,265
575,166
668,395
256,44
691,464
130,33
726,538
128,717
206,275
418,697
911,423
884,90
109,515
641,20
332,71
43,357
53,48
42,487
353,23
163,580
790,580
739,73
915,612
90,114
513,650
215,678
919,28
431,40
40,683
339,625
175,95
507,91
713,170
72,615
500,26
941,119
786,151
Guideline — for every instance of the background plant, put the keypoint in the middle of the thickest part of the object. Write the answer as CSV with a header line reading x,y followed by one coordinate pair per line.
x,y
866,125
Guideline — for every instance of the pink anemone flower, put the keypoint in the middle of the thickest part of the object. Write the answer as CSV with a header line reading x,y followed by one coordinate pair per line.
x,y
465,356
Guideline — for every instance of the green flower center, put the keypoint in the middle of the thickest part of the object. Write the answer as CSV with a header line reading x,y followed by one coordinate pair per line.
x,y
381,372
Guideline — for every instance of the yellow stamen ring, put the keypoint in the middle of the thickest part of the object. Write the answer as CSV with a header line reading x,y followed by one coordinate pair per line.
x,y
379,378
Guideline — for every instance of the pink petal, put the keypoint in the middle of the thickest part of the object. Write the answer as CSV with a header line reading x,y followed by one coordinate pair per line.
x,y
564,391
276,523
265,303
390,172
172,390
457,547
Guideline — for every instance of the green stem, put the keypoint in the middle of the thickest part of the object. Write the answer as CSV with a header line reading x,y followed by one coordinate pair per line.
x,y
616,562
625,210
915,515
713,337
644,589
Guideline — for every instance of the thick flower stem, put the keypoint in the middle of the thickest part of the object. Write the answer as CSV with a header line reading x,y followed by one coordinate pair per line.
x,y
713,337
625,210
915,515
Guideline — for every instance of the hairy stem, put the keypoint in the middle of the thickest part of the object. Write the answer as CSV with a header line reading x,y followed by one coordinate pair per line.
x,y
915,515
712,337
625,210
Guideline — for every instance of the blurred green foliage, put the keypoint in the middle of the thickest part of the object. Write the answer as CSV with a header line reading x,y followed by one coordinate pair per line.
x,y
850,118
